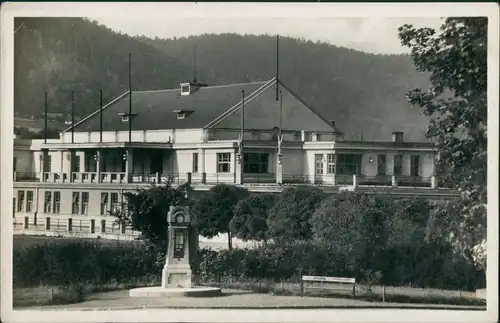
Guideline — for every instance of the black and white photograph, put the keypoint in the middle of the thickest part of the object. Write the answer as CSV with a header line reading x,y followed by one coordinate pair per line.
x,y
236,162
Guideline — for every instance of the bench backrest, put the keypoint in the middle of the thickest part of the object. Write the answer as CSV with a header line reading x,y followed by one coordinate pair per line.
x,y
329,279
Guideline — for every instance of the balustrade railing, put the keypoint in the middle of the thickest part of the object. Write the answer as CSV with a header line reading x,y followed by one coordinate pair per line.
x,y
247,178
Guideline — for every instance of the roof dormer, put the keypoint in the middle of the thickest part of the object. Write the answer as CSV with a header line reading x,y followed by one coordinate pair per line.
x,y
182,114
190,87
185,89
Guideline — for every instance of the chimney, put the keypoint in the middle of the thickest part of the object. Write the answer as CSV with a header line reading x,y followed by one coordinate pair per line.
x,y
332,123
397,137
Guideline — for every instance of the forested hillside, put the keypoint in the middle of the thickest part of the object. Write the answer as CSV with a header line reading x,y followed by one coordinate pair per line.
x,y
364,93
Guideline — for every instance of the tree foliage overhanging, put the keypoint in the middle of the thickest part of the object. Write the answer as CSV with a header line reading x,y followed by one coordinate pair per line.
x,y
456,101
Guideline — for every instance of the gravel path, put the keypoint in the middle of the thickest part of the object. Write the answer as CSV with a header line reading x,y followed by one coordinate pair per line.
x,y
235,299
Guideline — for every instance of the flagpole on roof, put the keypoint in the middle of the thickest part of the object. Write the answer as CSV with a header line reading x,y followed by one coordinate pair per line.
x,y
277,64
100,117
45,117
72,117
129,97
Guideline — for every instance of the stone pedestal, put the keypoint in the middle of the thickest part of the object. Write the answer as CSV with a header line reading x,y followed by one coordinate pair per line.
x,y
176,274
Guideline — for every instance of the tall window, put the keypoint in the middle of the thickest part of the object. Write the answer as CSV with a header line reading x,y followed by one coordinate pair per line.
x,y
20,201
255,163
104,203
195,162
76,164
85,203
398,164
47,202
349,164
415,165
14,207
49,163
29,201
76,203
318,164
15,163
381,164
114,202
223,162
330,164
57,202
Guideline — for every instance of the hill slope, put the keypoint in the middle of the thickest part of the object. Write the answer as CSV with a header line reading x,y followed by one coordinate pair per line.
x,y
364,93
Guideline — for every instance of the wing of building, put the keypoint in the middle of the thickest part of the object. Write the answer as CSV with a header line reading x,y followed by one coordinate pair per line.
x,y
260,135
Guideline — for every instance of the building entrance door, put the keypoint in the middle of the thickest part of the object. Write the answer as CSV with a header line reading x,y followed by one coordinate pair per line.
x,y
318,168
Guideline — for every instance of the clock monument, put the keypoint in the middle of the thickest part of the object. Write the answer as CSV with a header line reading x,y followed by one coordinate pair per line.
x,y
176,274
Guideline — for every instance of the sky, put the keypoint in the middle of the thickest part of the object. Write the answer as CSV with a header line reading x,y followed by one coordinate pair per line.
x,y
376,35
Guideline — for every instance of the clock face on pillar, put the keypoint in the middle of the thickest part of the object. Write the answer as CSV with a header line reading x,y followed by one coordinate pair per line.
x,y
179,218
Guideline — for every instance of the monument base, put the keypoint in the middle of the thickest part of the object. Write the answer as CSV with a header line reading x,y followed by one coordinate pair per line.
x,y
158,291
176,276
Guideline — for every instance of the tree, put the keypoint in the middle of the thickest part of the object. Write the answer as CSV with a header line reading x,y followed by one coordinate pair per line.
x,y
289,217
250,217
213,211
354,227
145,210
456,58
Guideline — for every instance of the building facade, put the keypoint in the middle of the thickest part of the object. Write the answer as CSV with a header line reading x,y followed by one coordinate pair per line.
x,y
259,135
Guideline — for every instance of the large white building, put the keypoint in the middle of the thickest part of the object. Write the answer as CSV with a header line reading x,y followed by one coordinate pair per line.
x,y
194,133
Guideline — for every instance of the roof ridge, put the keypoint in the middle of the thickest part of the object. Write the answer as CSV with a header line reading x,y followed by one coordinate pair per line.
x,y
204,87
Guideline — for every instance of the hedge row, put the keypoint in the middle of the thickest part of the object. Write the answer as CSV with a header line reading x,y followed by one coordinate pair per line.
x,y
56,265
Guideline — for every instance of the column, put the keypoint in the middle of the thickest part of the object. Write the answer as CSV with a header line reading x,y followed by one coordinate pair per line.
x,y
201,153
279,169
71,167
61,174
239,169
98,159
434,183
44,156
129,165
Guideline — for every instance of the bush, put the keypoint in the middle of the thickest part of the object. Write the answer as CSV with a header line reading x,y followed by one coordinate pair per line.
x,y
82,262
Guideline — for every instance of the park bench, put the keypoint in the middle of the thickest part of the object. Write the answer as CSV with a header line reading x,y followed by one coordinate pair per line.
x,y
326,283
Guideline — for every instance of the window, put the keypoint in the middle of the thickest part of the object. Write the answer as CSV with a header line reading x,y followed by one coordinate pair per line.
x,y
415,165
76,164
47,204
381,165
318,164
195,162
29,201
398,164
125,118
57,202
20,201
85,203
255,163
114,202
185,89
223,162
15,163
13,207
318,137
297,136
331,163
349,164
76,203
181,115
104,203
49,163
